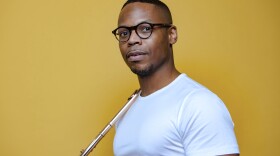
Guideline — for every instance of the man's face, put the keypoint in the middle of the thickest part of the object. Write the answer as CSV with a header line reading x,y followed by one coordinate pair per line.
x,y
145,56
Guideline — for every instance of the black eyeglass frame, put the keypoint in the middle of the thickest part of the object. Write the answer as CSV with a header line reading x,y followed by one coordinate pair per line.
x,y
162,25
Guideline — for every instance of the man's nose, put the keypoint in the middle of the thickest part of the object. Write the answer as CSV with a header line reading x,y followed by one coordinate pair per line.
x,y
134,38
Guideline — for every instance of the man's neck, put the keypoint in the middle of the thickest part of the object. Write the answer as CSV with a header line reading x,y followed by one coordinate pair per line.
x,y
156,81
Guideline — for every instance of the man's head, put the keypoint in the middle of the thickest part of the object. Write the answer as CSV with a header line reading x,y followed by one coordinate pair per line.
x,y
146,34
157,3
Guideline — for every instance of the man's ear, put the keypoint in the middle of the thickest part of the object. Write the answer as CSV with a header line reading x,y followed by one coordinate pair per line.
x,y
173,34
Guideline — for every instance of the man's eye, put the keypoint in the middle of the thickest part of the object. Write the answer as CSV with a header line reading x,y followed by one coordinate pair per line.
x,y
123,33
146,29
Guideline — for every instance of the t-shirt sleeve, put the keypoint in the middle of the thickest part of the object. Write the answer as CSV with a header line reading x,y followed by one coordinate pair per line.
x,y
205,125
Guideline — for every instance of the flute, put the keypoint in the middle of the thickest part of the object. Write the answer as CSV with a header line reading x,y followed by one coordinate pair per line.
x,y
125,108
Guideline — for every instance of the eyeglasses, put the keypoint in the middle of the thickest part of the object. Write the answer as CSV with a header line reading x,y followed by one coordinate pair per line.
x,y
143,30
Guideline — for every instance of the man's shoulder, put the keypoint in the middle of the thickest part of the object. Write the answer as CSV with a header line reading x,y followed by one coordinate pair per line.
x,y
190,87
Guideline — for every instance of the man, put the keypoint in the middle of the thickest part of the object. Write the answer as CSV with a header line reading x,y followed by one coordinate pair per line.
x,y
174,115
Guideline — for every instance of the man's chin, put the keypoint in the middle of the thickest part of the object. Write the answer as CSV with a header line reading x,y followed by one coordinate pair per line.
x,y
141,73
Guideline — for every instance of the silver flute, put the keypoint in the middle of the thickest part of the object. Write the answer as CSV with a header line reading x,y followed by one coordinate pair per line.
x,y
125,108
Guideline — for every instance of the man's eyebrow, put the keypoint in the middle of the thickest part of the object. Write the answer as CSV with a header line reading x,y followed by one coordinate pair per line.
x,y
148,21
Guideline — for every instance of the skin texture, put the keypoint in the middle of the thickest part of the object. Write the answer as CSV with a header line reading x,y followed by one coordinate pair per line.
x,y
154,55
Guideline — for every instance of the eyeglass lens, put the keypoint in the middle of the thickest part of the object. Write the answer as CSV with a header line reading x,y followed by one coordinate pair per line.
x,y
143,30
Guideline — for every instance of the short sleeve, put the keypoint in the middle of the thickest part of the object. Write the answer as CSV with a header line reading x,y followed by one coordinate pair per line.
x,y
205,125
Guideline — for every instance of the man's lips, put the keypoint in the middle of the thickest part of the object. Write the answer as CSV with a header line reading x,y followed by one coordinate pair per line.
x,y
135,55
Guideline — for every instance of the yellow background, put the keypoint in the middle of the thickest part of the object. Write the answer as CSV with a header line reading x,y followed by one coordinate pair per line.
x,y
62,77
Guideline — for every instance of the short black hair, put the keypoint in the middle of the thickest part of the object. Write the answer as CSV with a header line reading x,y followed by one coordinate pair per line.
x,y
157,3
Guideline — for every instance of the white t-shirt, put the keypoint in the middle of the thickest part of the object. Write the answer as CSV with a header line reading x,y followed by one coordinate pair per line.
x,y
181,119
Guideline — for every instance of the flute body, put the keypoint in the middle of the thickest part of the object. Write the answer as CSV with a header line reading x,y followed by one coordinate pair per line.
x,y
106,129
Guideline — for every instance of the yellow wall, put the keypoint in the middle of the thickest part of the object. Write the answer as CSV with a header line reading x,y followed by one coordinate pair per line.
x,y
62,77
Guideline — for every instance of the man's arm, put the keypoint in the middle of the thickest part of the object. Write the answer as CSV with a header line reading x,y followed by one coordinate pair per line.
x,y
206,125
